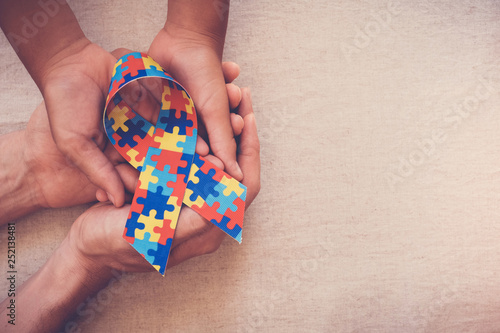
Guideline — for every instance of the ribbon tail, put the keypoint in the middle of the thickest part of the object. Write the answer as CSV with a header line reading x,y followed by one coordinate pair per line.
x,y
216,196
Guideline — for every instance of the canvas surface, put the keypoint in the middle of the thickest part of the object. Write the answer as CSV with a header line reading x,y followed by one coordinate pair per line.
x,y
380,172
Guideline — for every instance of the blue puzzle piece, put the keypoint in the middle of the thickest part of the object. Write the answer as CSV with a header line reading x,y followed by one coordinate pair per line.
x,y
136,127
156,201
144,247
189,146
161,254
152,151
198,161
109,122
205,187
117,98
145,126
125,138
164,113
133,224
226,202
163,178
129,77
243,196
119,73
185,170
153,71
235,232
170,121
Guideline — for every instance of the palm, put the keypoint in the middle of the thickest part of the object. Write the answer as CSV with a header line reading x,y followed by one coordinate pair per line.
x,y
198,68
61,183
75,92
75,107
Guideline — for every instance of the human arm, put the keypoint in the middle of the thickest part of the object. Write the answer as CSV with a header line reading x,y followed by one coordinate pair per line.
x,y
190,47
73,75
34,174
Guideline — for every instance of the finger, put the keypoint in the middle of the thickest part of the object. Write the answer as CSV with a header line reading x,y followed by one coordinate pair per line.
x,y
237,124
215,116
101,196
230,70
113,155
203,243
202,132
215,161
190,224
202,148
249,155
120,52
129,197
98,168
234,95
129,176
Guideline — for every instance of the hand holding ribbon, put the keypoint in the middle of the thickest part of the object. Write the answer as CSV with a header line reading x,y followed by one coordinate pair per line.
x,y
171,171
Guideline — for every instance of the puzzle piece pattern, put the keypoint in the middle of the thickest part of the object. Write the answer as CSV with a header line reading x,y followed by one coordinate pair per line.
x,y
171,172
216,196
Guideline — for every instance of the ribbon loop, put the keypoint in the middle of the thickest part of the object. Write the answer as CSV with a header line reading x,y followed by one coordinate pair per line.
x,y
171,172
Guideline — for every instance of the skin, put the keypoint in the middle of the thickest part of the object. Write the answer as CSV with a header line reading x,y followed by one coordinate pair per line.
x,y
94,249
85,260
190,47
71,70
39,175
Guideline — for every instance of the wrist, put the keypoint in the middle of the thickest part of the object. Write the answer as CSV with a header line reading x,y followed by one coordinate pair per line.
x,y
195,36
36,45
19,192
174,41
55,291
201,21
68,55
88,273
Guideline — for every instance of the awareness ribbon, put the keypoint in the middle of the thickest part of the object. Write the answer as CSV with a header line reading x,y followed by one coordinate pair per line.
x,y
171,172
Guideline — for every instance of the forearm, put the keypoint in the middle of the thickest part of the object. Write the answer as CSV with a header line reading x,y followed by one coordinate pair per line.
x,y
17,192
55,291
40,31
204,20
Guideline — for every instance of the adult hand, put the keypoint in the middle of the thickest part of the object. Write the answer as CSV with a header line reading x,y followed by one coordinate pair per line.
x,y
96,235
74,85
57,181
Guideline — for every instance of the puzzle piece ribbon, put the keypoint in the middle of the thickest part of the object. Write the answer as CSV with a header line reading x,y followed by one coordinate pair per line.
x,y
171,172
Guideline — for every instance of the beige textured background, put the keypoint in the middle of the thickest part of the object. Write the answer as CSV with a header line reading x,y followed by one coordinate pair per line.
x,y
381,176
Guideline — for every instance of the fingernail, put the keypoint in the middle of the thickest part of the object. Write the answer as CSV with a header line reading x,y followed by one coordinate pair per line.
x,y
110,197
99,196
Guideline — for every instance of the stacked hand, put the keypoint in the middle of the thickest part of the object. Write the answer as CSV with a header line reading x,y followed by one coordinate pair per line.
x,y
96,234
63,157
60,183
85,260
75,85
